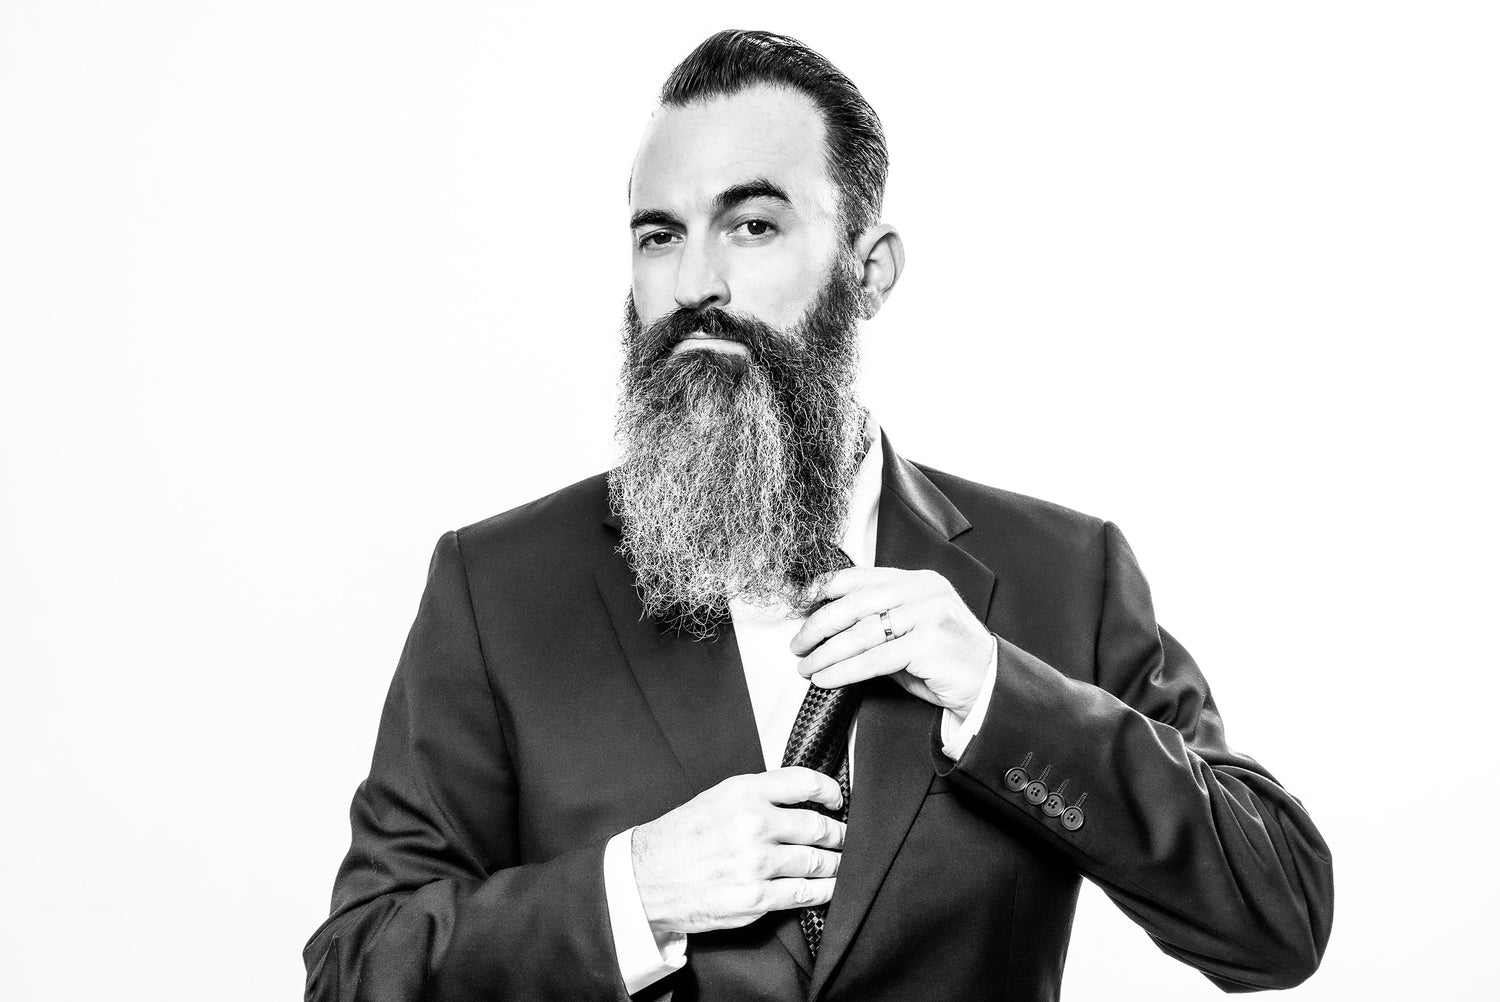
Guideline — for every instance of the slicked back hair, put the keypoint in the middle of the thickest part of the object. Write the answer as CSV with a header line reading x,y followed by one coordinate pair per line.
x,y
734,60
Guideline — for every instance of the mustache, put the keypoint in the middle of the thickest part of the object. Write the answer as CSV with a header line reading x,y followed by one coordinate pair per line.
x,y
760,339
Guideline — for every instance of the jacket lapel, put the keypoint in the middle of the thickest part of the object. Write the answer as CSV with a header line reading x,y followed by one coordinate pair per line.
x,y
695,688
892,748
698,698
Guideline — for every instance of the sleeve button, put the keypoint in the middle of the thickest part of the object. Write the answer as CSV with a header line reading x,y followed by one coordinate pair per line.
x,y
1036,791
1072,819
1016,779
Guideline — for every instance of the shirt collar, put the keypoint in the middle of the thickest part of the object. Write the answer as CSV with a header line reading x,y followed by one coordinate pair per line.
x,y
858,540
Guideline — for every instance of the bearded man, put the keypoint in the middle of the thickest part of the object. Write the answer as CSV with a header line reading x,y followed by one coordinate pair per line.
x,y
769,712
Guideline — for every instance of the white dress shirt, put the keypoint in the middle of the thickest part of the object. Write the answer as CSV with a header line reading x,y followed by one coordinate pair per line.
x,y
776,689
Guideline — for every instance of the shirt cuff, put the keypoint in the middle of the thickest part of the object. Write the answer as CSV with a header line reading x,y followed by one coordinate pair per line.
x,y
958,733
644,957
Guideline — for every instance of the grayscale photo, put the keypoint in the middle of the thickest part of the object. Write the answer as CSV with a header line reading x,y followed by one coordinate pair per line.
x,y
716,504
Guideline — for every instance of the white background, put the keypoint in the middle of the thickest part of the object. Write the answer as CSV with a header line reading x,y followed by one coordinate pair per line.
x,y
288,289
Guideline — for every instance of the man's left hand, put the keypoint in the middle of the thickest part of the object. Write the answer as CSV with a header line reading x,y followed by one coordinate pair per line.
x,y
937,650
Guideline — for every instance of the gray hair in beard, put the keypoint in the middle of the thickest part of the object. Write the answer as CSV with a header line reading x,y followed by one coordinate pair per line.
x,y
735,470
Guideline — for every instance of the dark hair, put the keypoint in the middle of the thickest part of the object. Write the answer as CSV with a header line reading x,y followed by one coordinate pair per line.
x,y
731,61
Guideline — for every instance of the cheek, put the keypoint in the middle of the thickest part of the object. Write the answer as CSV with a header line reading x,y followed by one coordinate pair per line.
x,y
777,287
652,289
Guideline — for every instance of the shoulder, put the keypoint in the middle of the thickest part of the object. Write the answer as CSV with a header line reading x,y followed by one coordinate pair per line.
x,y
1006,525
567,527
982,502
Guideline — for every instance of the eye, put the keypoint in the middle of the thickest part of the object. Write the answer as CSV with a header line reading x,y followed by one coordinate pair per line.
x,y
656,239
756,228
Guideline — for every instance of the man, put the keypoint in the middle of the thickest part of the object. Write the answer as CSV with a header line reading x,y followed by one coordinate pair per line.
x,y
602,770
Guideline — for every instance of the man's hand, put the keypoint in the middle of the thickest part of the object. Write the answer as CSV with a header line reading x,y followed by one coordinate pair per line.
x,y
938,651
734,853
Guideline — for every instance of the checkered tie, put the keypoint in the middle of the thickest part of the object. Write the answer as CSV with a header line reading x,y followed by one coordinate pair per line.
x,y
820,741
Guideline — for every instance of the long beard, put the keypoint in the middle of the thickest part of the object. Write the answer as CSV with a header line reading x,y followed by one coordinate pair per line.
x,y
735,471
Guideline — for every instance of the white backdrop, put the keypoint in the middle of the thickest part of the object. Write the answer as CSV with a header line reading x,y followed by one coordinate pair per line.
x,y
288,289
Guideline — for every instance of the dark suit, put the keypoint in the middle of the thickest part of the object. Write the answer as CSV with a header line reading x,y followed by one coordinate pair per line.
x,y
535,713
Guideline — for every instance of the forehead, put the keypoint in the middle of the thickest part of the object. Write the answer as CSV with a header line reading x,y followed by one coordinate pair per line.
x,y
691,153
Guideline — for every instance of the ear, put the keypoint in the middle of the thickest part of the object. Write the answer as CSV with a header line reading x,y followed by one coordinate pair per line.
x,y
880,250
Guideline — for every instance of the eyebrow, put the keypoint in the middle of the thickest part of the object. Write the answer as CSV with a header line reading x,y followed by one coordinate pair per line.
x,y
654,217
728,198
758,188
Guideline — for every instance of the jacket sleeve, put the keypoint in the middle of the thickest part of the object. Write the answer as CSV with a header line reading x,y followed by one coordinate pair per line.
x,y
1132,779
430,902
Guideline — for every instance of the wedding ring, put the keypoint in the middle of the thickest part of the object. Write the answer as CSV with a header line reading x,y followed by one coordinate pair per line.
x,y
885,622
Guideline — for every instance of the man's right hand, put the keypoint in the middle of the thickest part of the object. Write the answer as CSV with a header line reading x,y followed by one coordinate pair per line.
x,y
735,852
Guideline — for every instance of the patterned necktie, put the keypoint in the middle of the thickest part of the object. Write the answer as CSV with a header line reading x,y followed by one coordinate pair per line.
x,y
820,741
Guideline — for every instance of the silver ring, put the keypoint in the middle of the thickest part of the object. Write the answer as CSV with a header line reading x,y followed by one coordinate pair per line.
x,y
885,622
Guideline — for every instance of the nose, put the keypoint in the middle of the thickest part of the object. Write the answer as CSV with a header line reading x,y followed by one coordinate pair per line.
x,y
700,278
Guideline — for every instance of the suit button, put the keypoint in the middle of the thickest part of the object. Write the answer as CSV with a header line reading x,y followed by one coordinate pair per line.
x,y
1072,819
1016,779
1036,791
1052,806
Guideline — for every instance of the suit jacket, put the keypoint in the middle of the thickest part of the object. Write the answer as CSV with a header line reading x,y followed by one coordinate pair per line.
x,y
536,712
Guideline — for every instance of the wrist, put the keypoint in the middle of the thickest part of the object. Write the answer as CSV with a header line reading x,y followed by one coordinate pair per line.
x,y
979,665
959,727
640,863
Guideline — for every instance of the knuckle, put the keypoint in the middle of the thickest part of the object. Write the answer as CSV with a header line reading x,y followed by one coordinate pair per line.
x,y
758,896
752,825
743,898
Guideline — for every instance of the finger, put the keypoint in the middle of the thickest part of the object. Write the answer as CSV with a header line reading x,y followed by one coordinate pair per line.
x,y
796,784
863,635
865,600
798,892
802,827
842,613
840,583
803,861
887,659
